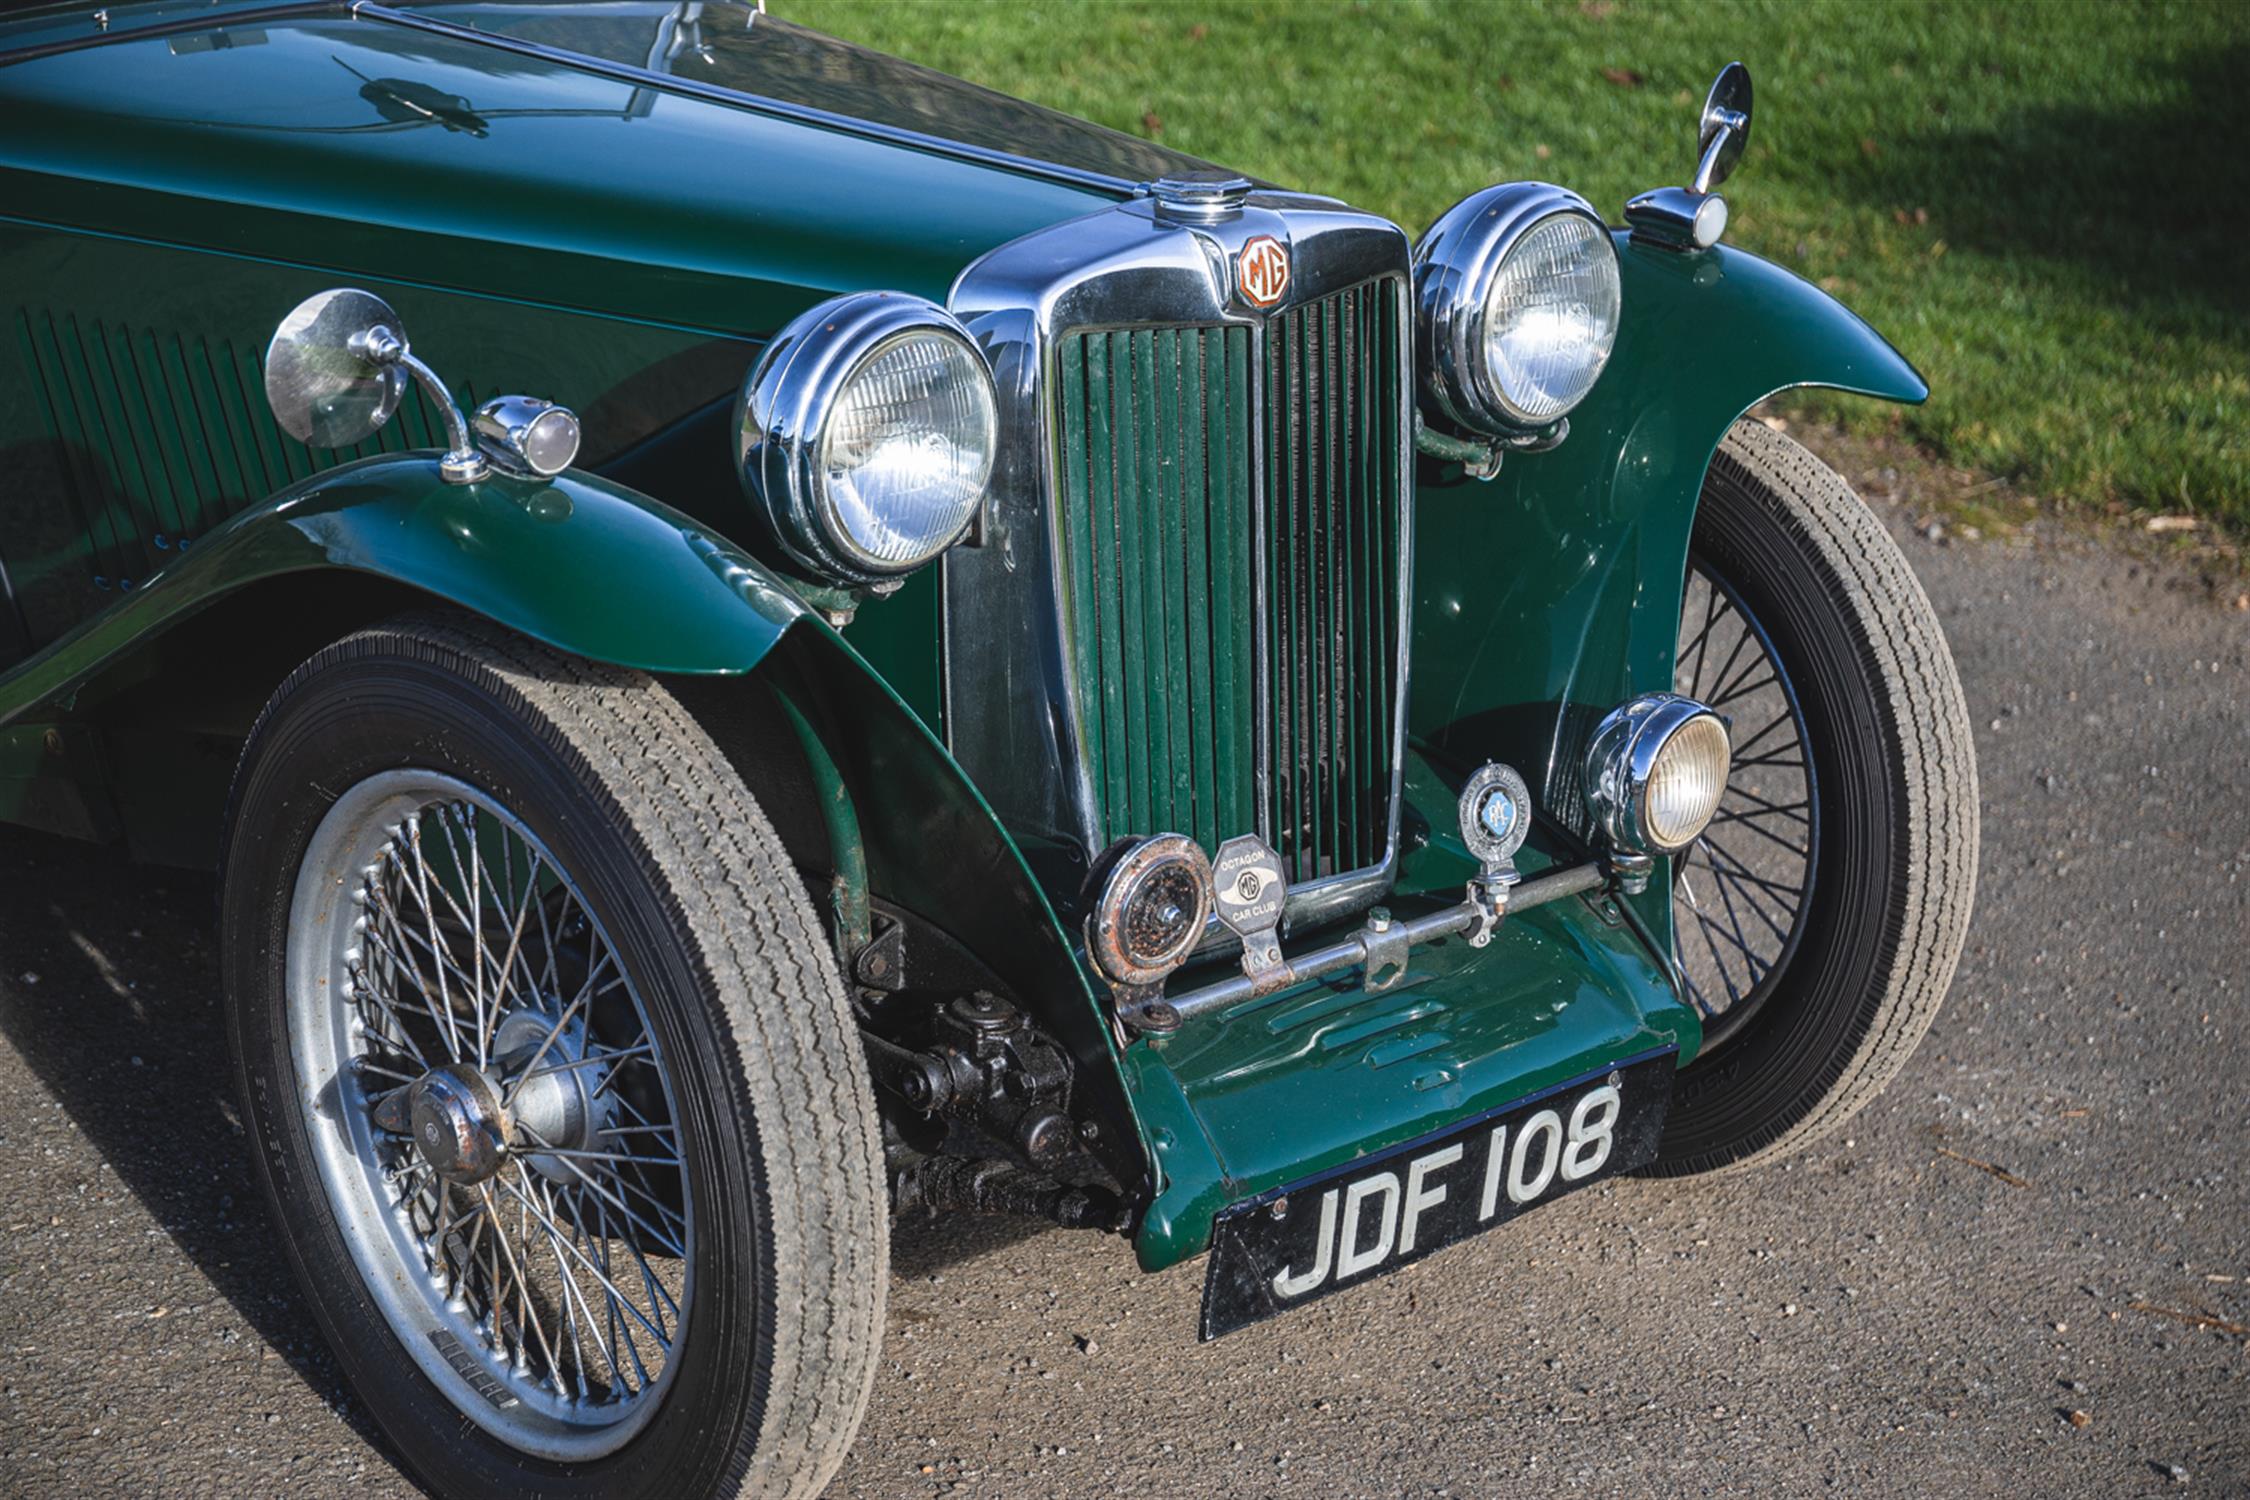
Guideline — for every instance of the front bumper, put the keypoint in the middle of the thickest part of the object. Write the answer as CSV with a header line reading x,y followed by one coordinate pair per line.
x,y
1276,1089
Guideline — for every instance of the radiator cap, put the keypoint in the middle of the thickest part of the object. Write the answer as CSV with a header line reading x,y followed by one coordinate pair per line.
x,y
1200,196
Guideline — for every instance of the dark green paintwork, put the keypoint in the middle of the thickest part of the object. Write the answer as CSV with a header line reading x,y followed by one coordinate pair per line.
x,y
579,192
1552,594
576,562
164,199
1332,607
1170,723
621,250
1292,1085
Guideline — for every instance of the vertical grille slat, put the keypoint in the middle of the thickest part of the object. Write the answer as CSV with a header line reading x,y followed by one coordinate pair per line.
x,y
1235,640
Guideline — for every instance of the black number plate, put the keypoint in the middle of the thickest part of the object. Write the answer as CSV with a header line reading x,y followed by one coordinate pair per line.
x,y
1326,1233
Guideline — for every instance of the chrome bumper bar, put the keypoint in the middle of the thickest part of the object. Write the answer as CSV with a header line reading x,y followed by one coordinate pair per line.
x,y
1381,946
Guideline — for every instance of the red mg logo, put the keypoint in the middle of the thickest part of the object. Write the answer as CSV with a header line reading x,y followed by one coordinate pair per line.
x,y
1263,271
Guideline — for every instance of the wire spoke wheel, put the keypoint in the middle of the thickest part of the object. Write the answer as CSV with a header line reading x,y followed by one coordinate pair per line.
x,y
493,1120
1740,893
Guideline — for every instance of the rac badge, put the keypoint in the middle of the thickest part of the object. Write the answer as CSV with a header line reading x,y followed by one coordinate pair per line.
x,y
1262,271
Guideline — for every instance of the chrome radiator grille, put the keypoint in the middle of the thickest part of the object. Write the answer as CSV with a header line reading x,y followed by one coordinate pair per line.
x,y
1230,512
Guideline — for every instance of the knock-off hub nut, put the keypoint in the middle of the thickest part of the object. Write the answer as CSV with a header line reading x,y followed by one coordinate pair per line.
x,y
458,1124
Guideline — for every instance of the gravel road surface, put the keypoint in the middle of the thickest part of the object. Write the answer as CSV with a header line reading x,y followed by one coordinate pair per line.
x,y
2024,1271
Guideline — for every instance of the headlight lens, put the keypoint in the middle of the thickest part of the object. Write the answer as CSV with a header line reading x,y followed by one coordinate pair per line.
x,y
1551,317
867,433
1516,307
907,450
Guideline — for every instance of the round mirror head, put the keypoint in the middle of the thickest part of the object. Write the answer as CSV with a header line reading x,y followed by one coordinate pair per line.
x,y
1727,107
333,376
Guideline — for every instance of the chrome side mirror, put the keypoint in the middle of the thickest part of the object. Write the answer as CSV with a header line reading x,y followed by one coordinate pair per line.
x,y
332,372
1695,217
338,368
1726,127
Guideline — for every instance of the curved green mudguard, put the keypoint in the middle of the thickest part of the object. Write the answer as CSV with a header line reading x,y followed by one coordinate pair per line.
x,y
581,564
601,571
1559,583
1550,595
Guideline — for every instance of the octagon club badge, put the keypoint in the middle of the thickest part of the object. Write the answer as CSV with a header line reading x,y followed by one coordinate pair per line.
x,y
1262,271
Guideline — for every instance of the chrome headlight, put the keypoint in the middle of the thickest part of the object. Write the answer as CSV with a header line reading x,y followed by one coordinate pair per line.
x,y
1655,771
867,433
1516,304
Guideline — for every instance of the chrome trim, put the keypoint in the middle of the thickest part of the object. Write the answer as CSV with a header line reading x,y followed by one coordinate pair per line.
x,y
1381,945
1013,715
1677,218
1695,217
1202,198
200,20
803,114
527,437
1620,758
784,405
1453,269
1723,132
1477,836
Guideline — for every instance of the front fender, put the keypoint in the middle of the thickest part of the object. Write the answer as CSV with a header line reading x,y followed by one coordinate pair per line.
x,y
585,565
604,572
1553,593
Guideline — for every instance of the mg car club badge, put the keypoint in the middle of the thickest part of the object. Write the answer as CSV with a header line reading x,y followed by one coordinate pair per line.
x,y
1262,271
1250,888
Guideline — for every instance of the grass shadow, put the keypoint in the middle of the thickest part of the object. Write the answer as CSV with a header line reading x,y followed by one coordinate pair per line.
x,y
2146,191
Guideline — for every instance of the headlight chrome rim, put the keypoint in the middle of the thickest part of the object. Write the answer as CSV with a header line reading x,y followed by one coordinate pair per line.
x,y
1622,760
1456,265
783,415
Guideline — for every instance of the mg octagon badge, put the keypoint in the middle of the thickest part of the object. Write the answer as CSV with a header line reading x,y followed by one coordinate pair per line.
x,y
1262,271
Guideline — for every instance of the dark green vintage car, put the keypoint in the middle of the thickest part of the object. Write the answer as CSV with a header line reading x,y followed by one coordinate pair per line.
x,y
760,637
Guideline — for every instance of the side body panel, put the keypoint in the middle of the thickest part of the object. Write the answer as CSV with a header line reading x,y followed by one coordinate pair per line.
x,y
624,249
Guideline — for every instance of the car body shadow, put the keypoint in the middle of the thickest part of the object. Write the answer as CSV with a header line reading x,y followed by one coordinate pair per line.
x,y
109,989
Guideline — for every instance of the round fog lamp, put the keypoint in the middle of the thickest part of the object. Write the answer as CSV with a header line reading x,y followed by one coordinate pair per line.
x,y
1689,777
1153,908
1655,771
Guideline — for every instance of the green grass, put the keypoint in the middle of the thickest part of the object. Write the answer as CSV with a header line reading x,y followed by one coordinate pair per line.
x,y
2044,204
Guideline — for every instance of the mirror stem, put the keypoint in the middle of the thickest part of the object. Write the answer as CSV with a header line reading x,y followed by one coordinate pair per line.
x,y
463,462
1730,121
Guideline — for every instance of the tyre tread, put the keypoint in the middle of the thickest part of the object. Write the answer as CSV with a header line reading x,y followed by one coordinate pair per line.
x,y
1926,716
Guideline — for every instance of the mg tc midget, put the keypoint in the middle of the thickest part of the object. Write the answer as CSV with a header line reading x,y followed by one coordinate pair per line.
x,y
759,637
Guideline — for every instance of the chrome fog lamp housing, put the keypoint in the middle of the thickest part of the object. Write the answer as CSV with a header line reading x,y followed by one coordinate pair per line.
x,y
867,434
1517,295
526,436
1655,771
1154,904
